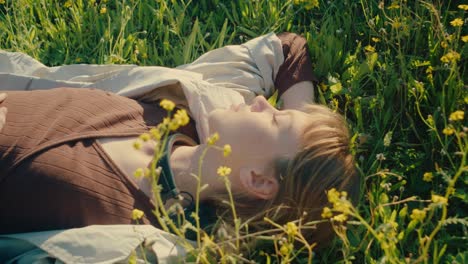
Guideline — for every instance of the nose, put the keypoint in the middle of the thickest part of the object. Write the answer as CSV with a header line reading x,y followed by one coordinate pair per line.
x,y
260,104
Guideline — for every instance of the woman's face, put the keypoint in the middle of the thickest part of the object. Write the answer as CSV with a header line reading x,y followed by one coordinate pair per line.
x,y
258,133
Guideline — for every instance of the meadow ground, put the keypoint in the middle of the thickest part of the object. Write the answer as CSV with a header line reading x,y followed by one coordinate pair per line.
x,y
395,69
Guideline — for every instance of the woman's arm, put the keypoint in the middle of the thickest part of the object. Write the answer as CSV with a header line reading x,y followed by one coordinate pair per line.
x,y
3,111
250,68
298,96
273,61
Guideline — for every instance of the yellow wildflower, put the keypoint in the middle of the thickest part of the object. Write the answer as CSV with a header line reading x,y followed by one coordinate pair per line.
x,y
457,22
223,171
138,173
145,137
311,4
323,86
213,139
427,177
444,44
444,59
137,214
339,201
182,117
2,2
333,195
464,38
155,133
167,104
430,120
394,5
463,7
437,199
418,215
429,69
66,5
327,212
166,121
380,236
291,229
308,4
340,218
137,145
448,131
457,115
285,249
173,125
369,48
376,40
227,150
103,10
451,190
451,56
342,205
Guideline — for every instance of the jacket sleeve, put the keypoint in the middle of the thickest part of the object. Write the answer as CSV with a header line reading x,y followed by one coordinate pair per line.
x,y
258,66
249,68
297,66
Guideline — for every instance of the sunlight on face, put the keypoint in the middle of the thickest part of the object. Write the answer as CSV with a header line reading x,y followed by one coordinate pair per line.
x,y
258,133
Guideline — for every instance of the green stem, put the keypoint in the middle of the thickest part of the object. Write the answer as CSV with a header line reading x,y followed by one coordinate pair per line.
x,y
197,194
233,208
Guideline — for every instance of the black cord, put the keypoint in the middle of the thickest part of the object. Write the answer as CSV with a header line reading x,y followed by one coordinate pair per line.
x,y
190,197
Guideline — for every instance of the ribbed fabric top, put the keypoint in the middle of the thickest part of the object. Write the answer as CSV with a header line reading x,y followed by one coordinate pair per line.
x,y
53,173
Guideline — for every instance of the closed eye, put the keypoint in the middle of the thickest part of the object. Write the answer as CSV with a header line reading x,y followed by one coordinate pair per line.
x,y
287,122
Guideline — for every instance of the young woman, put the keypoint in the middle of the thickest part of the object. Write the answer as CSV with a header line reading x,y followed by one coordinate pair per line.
x,y
67,157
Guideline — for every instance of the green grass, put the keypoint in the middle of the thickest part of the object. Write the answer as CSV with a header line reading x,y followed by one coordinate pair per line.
x,y
391,69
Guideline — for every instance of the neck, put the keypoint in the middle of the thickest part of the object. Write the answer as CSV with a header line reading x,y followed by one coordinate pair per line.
x,y
185,166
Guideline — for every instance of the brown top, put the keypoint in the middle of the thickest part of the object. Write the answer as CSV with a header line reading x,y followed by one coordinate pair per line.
x,y
297,66
53,173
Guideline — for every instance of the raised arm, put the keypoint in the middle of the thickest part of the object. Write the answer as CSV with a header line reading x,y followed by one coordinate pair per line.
x,y
298,96
261,65
295,78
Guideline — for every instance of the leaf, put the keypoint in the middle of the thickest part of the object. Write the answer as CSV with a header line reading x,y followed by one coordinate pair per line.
x,y
273,99
371,60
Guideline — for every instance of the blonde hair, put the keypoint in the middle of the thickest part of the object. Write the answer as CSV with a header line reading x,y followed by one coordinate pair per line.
x,y
323,162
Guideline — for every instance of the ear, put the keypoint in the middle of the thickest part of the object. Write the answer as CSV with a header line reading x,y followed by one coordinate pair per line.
x,y
258,183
